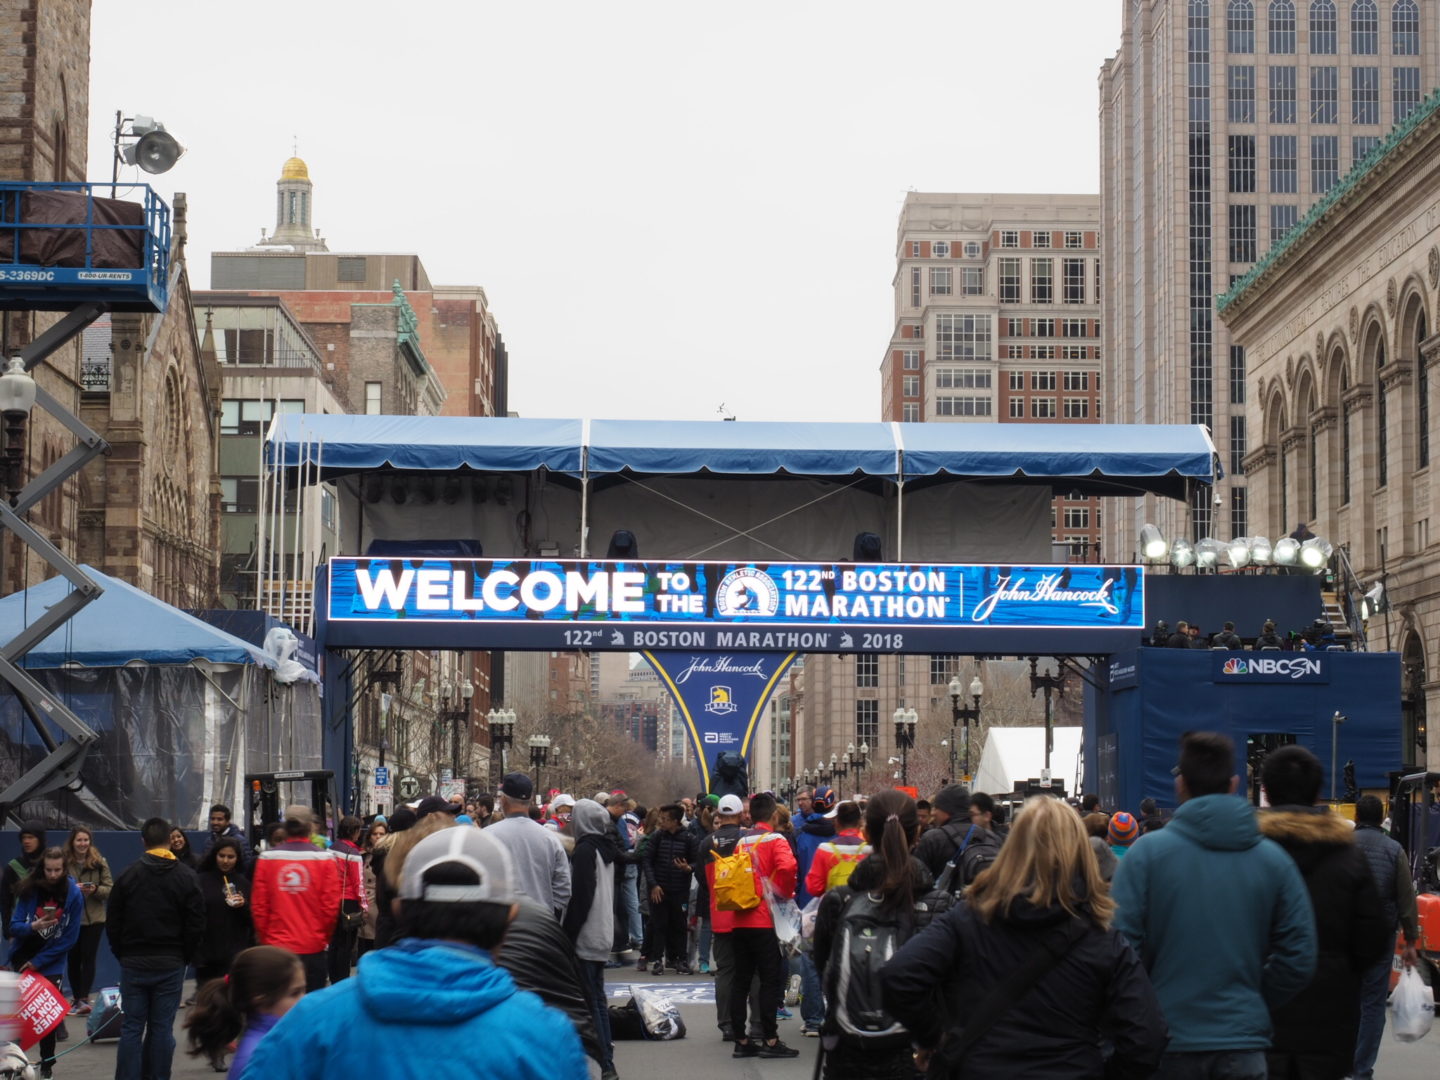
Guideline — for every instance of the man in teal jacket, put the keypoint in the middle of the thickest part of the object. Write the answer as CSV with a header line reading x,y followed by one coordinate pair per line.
x,y
433,1004
1219,916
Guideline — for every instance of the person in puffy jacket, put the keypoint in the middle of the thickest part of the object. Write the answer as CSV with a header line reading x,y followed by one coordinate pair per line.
x,y
44,927
1042,892
434,1003
295,896
668,863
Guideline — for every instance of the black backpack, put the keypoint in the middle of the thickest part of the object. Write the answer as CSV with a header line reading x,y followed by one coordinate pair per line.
x,y
866,938
975,853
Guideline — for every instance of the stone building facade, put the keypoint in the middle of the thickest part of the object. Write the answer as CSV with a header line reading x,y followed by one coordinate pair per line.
x,y
1338,323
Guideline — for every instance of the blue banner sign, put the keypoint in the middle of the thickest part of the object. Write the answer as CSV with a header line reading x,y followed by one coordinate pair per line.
x,y
1269,667
743,602
721,697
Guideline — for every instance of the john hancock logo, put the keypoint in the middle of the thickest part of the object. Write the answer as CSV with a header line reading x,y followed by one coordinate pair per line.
x,y
1236,666
720,702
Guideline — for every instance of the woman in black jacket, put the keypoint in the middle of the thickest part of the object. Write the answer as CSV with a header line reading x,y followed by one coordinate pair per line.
x,y
228,929
1042,891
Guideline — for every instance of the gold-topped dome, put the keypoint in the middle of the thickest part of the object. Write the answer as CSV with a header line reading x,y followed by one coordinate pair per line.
x,y
294,169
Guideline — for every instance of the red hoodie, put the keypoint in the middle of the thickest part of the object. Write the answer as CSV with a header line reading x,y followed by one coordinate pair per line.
x,y
774,861
295,898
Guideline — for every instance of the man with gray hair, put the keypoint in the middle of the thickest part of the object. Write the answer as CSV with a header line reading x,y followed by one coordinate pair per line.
x,y
436,1003
541,866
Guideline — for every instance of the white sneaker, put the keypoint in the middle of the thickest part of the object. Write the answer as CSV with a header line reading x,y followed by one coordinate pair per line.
x,y
792,990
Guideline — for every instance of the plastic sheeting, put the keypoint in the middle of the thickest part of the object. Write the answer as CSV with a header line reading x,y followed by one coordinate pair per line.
x,y
173,740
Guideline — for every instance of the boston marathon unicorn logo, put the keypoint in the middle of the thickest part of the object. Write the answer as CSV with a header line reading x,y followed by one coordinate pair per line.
x,y
746,592
720,702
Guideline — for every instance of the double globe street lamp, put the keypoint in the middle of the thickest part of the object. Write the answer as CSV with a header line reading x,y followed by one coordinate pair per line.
x,y
969,716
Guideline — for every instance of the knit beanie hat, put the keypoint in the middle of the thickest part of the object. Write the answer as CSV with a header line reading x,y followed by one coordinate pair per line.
x,y
1123,828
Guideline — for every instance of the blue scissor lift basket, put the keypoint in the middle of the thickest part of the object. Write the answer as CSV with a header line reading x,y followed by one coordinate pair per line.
x,y
67,247
64,245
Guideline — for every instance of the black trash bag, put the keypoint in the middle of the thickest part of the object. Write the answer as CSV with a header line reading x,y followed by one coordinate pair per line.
x,y
660,1014
626,1022
729,776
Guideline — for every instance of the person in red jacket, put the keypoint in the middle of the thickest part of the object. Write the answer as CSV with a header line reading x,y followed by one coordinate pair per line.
x,y
754,945
353,902
295,898
841,853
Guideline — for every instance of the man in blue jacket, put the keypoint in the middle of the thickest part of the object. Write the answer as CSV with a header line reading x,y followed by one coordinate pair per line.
x,y
434,1003
1219,916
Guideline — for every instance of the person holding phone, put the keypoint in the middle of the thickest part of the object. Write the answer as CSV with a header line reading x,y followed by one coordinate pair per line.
x,y
91,872
44,928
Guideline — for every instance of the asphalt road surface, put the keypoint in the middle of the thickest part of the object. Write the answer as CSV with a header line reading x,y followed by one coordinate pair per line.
x,y
698,1056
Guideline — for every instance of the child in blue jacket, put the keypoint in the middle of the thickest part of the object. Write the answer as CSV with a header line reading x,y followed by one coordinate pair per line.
x,y
44,927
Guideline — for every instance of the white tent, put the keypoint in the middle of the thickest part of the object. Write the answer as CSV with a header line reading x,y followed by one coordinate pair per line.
x,y
1018,754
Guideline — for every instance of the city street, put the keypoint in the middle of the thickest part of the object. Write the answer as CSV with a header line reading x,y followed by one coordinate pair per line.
x,y
701,1053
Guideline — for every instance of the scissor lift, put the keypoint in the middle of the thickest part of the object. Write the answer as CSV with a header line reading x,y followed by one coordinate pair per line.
x,y
67,247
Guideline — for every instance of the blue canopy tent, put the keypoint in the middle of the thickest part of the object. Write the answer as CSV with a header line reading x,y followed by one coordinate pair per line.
x,y
708,489
181,707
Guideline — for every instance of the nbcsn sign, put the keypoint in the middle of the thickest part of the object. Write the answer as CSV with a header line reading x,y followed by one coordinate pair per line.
x,y
1272,669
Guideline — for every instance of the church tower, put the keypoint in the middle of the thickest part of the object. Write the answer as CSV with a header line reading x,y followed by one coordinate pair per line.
x,y
293,205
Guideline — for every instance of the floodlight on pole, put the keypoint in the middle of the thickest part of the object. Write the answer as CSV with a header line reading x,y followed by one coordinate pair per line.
x,y
154,149
1207,553
1152,543
1182,553
1287,551
1261,550
1315,553
1238,552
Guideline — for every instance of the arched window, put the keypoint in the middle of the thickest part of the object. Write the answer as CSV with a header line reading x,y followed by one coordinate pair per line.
x,y
1382,433
1405,28
1312,459
1284,486
1364,28
1199,9
1281,24
1240,26
1344,439
1324,35
1422,397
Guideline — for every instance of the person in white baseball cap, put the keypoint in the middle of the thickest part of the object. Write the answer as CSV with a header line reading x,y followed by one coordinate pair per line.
x,y
436,991
561,807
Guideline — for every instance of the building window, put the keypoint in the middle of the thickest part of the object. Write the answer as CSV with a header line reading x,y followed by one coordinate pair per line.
x,y
940,281
1073,352
1344,439
1017,380
1364,28
1405,93
1077,517
1324,95
1422,397
1077,408
1365,95
1324,33
1074,328
867,724
1283,218
1241,161
1282,95
962,337
1044,327
1074,283
910,386
1074,239
1237,375
1042,352
910,412
943,668
1240,26
1042,281
1241,97
1242,233
1014,352
1009,275
350,268
915,286
1281,23
1239,515
910,360
940,249
1361,147
1009,238
1382,419
1042,380
963,378
867,669
1040,240
1017,408
972,249
372,399
1042,408
1324,163
962,406
972,281
1405,28
1077,380
243,417
1284,175
1237,445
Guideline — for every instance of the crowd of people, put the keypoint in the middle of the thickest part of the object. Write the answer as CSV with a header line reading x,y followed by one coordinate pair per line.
x,y
914,935
1319,634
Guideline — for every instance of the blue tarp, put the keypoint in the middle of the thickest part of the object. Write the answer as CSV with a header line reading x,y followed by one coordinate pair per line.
x,y
1142,458
121,626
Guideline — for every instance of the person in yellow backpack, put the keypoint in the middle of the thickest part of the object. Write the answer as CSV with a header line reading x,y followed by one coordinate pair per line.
x,y
836,858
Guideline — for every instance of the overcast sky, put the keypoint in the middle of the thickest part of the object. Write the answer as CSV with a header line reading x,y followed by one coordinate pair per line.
x,y
671,206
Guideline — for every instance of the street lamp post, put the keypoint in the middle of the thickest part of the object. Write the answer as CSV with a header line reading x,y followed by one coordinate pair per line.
x,y
502,735
859,761
539,753
456,719
822,772
905,720
969,716
1050,683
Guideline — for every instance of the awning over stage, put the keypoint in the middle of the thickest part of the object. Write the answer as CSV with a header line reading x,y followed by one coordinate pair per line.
x,y
1094,458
